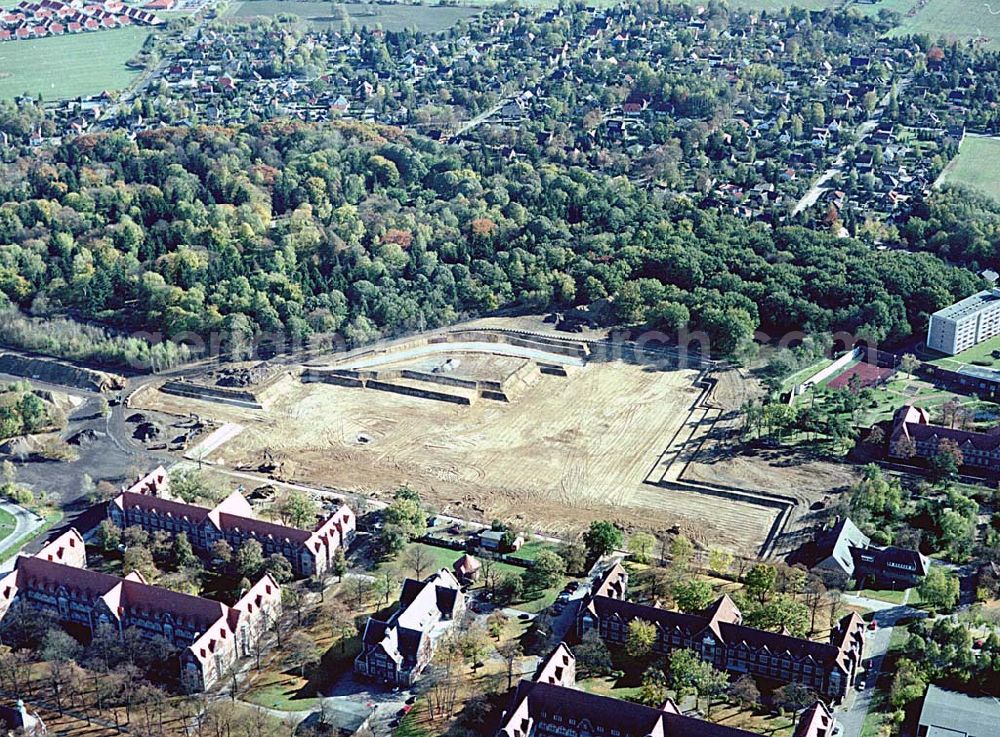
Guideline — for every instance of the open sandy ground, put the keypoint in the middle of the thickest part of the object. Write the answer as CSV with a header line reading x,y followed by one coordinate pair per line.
x,y
570,450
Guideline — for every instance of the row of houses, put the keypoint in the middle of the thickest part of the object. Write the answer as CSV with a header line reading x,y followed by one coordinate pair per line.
x,y
720,638
208,635
40,18
549,705
147,504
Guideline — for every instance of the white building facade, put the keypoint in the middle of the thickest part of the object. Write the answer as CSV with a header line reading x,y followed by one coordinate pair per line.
x,y
965,323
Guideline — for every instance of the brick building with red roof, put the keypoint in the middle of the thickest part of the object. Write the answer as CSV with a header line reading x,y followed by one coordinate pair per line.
x,y
912,431
719,637
550,705
309,552
208,635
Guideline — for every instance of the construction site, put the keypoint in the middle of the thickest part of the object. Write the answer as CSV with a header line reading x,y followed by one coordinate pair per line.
x,y
547,432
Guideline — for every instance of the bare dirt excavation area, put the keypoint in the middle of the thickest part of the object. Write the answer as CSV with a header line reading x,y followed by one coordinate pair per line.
x,y
539,433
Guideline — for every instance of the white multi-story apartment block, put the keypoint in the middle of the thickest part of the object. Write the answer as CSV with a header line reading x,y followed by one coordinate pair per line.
x,y
966,323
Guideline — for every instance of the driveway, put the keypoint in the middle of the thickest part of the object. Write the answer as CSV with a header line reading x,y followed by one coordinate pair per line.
x,y
851,714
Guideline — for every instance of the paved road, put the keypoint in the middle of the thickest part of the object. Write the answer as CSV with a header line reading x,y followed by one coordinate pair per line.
x,y
481,118
855,707
25,523
863,130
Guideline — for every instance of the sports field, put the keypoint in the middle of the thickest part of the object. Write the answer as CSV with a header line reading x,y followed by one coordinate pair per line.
x,y
69,66
426,18
977,165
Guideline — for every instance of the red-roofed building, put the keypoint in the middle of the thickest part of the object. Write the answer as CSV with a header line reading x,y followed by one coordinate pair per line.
x,y
309,552
398,649
719,637
160,5
209,635
914,435
550,704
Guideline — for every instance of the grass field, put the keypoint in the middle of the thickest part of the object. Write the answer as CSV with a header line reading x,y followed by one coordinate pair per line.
x,y
438,558
898,6
976,166
51,519
901,390
949,18
426,18
980,353
7,524
69,66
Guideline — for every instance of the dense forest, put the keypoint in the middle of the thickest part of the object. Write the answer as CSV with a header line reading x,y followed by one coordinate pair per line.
x,y
367,231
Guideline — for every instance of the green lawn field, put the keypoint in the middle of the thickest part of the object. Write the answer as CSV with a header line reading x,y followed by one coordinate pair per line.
x,y
426,18
961,19
69,66
978,355
976,166
773,5
7,524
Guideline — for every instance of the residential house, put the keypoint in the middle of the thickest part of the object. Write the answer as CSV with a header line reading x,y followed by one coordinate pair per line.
x,y
17,720
844,549
397,650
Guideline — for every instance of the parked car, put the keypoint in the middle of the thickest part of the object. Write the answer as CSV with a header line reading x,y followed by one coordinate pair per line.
x,y
572,586
860,683
873,625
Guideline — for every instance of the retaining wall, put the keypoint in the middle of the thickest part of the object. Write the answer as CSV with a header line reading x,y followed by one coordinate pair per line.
x,y
411,391
237,398
442,379
538,342
336,379
830,370
494,395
